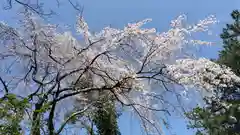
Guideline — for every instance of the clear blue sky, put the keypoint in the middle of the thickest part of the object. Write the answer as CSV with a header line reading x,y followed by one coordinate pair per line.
x,y
100,13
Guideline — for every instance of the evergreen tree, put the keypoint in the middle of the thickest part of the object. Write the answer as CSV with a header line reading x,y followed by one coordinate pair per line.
x,y
105,119
230,55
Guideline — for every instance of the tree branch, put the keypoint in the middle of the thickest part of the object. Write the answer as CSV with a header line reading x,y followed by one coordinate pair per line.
x,y
4,86
72,116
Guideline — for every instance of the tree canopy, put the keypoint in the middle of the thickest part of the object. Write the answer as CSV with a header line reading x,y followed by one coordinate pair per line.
x,y
56,81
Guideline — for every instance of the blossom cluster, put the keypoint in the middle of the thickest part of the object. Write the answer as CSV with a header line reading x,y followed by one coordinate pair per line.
x,y
203,73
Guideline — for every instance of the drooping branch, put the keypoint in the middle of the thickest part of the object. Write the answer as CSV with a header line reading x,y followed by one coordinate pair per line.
x,y
72,116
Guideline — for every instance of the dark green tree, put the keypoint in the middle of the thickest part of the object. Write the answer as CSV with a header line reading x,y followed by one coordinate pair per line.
x,y
230,55
105,118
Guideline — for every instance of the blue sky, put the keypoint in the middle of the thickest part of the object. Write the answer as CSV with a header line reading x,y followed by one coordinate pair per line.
x,y
100,13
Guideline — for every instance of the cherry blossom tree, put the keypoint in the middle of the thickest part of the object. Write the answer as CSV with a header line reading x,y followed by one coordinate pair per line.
x,y
131,67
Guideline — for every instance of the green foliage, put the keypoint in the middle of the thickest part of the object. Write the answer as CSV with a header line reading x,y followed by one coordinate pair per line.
x,y
44,108
12,112
105,118
230,55
221,117
214,122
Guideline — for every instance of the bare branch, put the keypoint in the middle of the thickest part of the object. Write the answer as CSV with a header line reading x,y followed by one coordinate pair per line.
x,y
4,86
